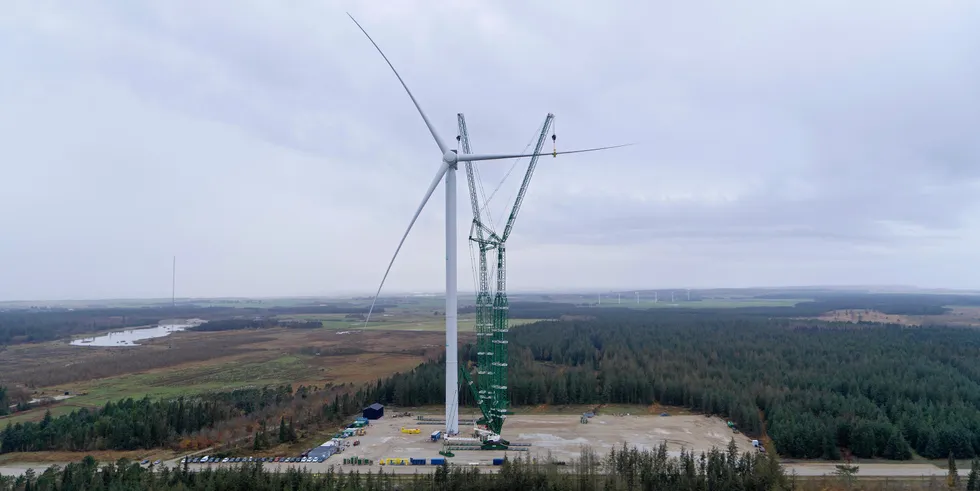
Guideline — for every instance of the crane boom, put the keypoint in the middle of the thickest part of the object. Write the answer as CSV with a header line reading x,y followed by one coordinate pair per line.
x,y
484,307
527,177
464,139
492,323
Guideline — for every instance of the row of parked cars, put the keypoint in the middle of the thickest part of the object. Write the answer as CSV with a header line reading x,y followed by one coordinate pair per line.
x,y
231,460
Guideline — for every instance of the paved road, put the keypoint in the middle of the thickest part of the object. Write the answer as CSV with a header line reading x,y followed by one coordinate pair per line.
x,y
869,470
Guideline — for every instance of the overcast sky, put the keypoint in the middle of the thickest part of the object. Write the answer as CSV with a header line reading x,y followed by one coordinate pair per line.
x,y
267,145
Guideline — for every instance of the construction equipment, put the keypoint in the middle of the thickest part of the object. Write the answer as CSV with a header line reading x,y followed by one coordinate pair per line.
x,y
490,391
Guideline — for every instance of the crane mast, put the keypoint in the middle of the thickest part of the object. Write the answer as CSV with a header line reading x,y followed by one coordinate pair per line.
x,y
484,304
492,311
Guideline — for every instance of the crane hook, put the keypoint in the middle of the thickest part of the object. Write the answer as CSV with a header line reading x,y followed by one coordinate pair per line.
x,y
554,146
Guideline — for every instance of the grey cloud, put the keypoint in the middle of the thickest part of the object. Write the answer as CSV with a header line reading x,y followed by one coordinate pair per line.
x,y
269,146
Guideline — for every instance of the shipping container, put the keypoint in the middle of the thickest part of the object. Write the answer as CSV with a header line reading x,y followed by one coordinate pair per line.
x,y
498,461
438,461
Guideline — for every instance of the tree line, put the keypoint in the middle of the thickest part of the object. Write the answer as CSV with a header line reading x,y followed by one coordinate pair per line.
x,y
819,303
260,323
817,388
620,469
138,423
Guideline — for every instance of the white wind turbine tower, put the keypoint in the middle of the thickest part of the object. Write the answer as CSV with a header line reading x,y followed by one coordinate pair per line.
x,y
447,169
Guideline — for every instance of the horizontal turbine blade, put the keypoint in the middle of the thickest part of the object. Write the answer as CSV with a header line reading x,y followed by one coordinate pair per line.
x,y
442,145
443,168
477,157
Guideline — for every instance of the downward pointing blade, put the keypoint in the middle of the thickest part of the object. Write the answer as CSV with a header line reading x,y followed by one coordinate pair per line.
x,y
443,168
476,157
442,145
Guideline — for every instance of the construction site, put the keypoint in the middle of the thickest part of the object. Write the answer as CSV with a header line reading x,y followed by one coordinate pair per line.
x,y
399,443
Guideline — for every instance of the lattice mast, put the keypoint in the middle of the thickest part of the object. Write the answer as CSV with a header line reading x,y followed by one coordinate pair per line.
x,y
500,400
492,308
484,302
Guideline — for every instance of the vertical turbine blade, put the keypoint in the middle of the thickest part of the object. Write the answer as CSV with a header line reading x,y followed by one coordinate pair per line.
x,y
442,145
443,168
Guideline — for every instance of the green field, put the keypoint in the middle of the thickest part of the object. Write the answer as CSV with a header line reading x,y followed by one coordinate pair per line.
x,y
175,382
193,380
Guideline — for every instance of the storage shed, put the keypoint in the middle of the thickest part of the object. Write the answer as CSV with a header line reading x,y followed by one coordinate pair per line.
x,y
374,411
323,451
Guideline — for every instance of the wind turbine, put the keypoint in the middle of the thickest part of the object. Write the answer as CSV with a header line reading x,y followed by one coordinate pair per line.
x,y
447,171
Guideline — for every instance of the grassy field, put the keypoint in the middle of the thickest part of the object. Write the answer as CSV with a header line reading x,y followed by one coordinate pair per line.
x,y
191,362
188,363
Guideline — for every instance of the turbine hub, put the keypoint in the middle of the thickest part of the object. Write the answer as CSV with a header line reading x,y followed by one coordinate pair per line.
x,y
449,157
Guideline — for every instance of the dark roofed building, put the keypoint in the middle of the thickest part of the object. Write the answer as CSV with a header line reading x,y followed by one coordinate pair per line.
x,y
374,411
323,451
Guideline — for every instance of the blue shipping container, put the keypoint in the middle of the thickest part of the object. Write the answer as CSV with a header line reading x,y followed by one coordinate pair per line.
x,y
498,461
438,461
416,461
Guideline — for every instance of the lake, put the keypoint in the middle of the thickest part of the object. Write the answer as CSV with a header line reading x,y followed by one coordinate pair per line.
x,y
129,337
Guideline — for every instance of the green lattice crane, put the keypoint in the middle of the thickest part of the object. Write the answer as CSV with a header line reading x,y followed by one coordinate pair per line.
x,y
492,323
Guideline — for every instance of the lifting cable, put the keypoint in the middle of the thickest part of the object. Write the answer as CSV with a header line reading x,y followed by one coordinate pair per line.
x,y
510,171
554,139
474,261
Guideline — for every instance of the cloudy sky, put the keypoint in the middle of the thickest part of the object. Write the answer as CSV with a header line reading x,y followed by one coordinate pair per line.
x,y
268,146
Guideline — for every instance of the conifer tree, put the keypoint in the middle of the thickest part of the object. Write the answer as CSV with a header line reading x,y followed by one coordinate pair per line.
x,y
973,482
952,475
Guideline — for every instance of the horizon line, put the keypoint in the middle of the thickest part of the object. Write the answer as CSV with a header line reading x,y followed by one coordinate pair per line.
x,y
527,291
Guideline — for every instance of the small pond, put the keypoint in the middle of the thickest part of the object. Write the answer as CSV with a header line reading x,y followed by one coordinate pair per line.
x,y
130,336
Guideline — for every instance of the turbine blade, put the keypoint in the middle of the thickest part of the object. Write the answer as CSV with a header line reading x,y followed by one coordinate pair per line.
x,y
477,157
442,145
443,168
